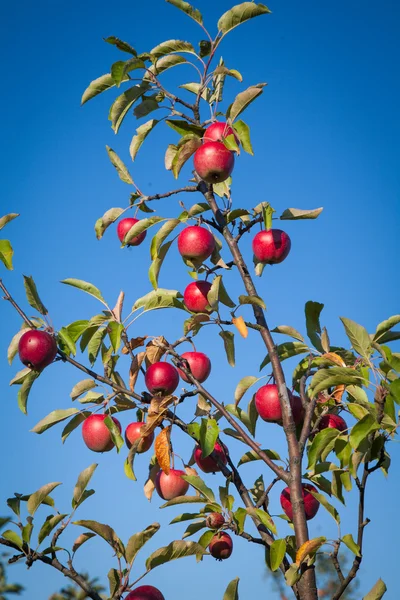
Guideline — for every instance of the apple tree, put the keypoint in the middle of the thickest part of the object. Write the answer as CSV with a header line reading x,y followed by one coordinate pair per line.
x,y
336,411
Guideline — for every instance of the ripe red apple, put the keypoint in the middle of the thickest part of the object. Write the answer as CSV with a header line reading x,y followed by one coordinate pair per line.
x,y
311,504
195,296
332,421
132,433
172,485
215,520
219,130
196,243
221,546
37,349
124,226
271,246
145,592
161,377
268,405
213,162
96,434
208,464
200,366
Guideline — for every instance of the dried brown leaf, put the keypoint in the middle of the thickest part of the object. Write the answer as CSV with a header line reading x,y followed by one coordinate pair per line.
x,y
162,449
153,351
117,310
134,370
149,486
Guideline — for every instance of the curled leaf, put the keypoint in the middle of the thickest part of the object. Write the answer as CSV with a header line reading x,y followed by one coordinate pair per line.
x,y
162,448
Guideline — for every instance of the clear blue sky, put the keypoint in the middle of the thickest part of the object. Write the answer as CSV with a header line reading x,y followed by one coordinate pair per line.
x,y
325,132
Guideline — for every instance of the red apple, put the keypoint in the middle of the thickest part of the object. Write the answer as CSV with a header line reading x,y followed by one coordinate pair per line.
x,y
96,434
221,546
195,296
332,421
124,226
161,378
271,246
133,433
199,364
213,162
268,405
196,243
219,130
208,464
145,592
215,520
37,349
311,504
172,485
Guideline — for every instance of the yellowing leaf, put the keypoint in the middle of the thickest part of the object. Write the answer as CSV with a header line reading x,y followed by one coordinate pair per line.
x,y
334,358
162,448
240,326
309,548
338,392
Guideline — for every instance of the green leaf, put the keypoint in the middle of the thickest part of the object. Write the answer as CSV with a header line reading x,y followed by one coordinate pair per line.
x,y
235,214
122,170
36,499
172,46
13,537
13,347
264,517
105,221
146,106
209,432
286,350
123,46
231,592
222,70
319,443
50,523
163,64
155,266
66,344
33,296
89,288
115,433
252,455
139,227
243,132
114,333
229,345
123,104
377,592
325,378
80,540
141,133
81,387
184,128
106,532
7,218
362,429
56,416
174,550
277,553
358,337
294,214
385,326
121,68
192,12
254,300
240,517
243,100
351,544
6,254
25,389
184,500
312,312
95,343
198,208
331,509
161,236
76,329
240,14
200,486
81,485
73,424
242,387
287,330
160,298
99,85
138,540
190,143
193,528
114,581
